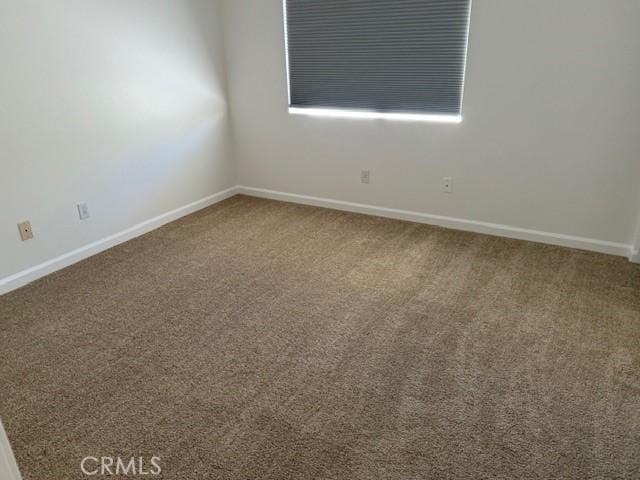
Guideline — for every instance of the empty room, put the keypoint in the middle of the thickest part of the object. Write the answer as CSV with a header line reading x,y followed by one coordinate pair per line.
x,y
320,239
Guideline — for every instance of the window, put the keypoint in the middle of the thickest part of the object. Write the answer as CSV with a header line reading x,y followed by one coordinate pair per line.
x,y
402,59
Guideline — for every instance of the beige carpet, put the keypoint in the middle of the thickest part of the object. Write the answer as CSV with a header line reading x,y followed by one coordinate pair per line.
x,y
265,340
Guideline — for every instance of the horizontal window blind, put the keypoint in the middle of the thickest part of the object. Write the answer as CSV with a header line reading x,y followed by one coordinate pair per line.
x,y
396,56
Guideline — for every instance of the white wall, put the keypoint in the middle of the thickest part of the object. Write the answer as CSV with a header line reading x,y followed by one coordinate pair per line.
x,y
8,467
119,103
549,139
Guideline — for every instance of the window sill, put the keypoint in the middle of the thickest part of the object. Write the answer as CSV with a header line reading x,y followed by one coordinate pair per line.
x,y
364,114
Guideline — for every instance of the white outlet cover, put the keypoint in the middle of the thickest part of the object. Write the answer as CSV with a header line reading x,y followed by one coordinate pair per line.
x,y
447,185
83,211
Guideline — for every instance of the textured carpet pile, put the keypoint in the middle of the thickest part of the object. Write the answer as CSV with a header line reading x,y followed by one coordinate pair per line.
x,y
264,340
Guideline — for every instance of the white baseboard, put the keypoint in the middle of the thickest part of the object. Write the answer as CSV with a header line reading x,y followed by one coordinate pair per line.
x,y
8,466
24,277
634,254
601,246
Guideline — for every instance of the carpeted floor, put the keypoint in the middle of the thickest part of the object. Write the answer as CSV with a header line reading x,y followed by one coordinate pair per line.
x,y
265,340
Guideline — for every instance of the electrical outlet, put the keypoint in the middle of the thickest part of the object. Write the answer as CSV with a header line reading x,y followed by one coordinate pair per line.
x,y
25,230
447,185
83,211
365,176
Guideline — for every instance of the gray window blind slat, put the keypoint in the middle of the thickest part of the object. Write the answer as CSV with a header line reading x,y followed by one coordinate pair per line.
x,y
400,56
